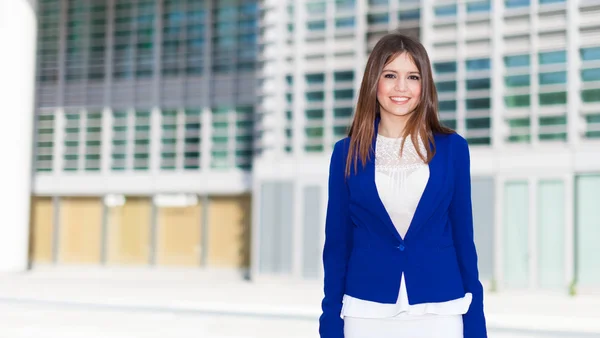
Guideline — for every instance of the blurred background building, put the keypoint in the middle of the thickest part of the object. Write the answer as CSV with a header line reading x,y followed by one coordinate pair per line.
x,y
144,131
198,132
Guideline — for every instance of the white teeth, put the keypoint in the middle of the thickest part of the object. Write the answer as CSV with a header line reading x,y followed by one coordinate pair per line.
x,y
399,99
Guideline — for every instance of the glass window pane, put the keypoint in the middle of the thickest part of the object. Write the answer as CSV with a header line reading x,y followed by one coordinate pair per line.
x,y
589,54
447,105
276,227
587,230
447,86
410,15
311,247
553,78
478,64
478,6
344,22
517,101
516,235
378,19
516,3
590,95
444,67
517,81
444,11
550,234
483,103
553,57
589,75
553,98
478,84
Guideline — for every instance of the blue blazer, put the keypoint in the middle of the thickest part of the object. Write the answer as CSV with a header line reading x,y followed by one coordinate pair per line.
x,y
364,255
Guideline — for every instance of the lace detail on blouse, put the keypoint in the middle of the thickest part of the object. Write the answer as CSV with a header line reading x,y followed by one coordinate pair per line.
x,y
388,159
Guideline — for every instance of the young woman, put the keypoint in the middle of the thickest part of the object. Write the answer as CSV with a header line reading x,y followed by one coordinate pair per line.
x,y
399,255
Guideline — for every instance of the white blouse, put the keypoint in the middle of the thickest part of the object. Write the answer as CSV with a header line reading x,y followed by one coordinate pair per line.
x,y
400,182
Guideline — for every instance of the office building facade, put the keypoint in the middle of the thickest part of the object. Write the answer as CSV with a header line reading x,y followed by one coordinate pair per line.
x,y
144,132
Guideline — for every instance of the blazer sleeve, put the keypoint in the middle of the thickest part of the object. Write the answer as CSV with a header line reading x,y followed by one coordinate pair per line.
x,y
461,217
337,248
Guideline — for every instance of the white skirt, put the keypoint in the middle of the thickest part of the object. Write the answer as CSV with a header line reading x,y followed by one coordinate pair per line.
x,y
405,326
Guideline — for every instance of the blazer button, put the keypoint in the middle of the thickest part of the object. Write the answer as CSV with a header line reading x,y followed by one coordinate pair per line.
x,y
401,247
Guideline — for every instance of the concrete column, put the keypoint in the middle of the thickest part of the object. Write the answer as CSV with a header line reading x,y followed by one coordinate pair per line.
x,y
18,29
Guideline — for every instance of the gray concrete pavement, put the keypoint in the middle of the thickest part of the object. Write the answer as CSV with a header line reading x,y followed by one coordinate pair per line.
x,y
139,302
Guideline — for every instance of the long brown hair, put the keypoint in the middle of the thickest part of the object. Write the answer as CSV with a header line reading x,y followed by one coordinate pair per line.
x,y
423,122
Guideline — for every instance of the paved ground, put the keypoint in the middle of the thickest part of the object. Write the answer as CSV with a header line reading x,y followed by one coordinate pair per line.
x,y
20,320
115,303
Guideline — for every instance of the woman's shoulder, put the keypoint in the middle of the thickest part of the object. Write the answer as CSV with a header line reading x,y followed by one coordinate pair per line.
x,y
342,146
453,140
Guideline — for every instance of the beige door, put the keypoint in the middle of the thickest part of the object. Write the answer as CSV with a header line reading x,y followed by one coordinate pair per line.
x,y
229,231
80,230
178,241
128,237
42,230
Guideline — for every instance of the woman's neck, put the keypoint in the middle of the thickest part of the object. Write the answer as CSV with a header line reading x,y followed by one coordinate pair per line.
x,y
392,126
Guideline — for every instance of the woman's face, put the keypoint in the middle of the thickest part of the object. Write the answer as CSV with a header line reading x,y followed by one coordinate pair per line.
x,y
399,87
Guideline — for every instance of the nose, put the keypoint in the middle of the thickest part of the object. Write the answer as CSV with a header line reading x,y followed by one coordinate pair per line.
x,y
400,84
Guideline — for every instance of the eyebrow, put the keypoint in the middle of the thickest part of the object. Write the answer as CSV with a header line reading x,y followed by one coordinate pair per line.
x,y
393,71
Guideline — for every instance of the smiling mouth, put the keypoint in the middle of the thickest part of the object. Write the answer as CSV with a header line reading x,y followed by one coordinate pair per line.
x,y
400,100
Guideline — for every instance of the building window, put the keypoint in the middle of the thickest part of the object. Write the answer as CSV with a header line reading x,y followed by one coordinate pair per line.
x,y
93,141
590,75
343,76
550,234
192,139
553,128
409,15
516,61
312,79
478,84
547,58
587,231
315,96
446,106
445,11
276,228
516,3
517,80
590,95
517,101
119,141
478,64
378,19
168,151
479,6
45,141
315,25
318,8
312,114
553,78
344,22
343,94
553,98
482,103
71,143
446,86
590,53
444,67
516,235
592,126
519,130
141,141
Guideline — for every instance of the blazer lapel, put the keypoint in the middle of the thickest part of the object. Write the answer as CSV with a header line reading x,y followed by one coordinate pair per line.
x,y
371,188
431,195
